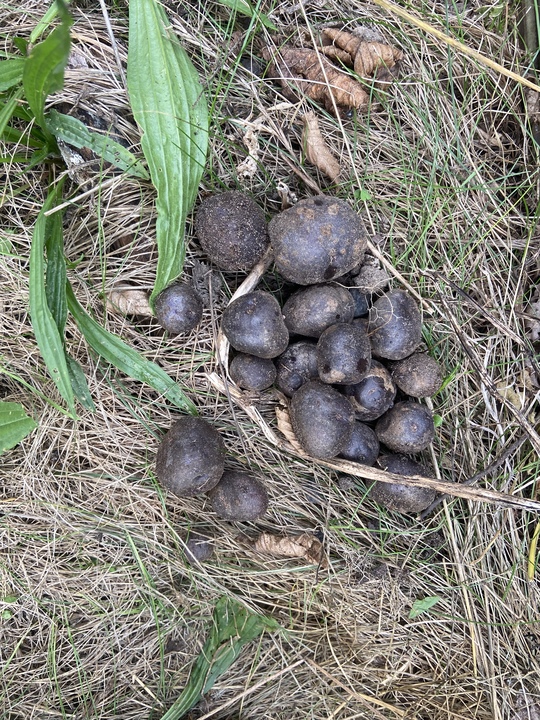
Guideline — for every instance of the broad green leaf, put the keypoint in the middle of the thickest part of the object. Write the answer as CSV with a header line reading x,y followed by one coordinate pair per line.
x,y
73,131
245,8
232,627
115,351
44,68
169,105
48,337
14,426
55,277
11,72
421,606
7,110
79,383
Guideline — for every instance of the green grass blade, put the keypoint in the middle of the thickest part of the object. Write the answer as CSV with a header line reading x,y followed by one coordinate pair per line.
x,y
48,337
14,425
169,105
55,277
245,8
73,131
7,110
44,68
11,72
232,627
115,351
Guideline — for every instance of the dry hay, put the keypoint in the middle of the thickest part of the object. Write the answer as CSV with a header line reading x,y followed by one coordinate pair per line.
x,y
101,614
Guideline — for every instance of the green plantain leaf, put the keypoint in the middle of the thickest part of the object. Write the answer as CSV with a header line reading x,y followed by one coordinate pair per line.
x,y
14,425
79,383
115,351
169,105
73,131
245,8
11,72
422,606
44,68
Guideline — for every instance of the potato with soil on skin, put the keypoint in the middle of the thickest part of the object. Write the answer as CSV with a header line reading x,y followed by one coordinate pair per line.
x,y
343,354
318,239
250,372
231,229
190,458
418,375
363,445
402,498
239,497
253,324
198,548
179,308
296,366
321,419
407,428
395,326
311,310
373,395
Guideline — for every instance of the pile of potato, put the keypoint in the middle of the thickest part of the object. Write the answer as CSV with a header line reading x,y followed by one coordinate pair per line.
x,y
347,361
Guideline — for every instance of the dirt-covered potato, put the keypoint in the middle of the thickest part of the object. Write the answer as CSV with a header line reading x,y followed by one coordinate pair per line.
x,y
296,366
199,548
251,372
418,375
363,445
361,304
406,428
399,497
178,308
318,239
343,354
311,310
190,458
373,395
253,324
395,325
321,419
231,228
239,496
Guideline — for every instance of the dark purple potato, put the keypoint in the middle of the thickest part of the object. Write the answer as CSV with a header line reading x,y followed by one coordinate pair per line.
x,y
406,428
321,419
373,395
190,458
311,310
395,325
232,230
239,496
399,497
363,446
178,309
198,548
361,305
318,239
251,372
254,325
343,354
296,366
418,375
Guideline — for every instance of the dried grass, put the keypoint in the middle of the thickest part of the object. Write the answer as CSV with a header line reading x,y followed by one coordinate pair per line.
x,y
102,615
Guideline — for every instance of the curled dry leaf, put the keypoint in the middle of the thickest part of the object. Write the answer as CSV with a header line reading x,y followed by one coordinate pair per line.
x,y
365,57
129,302
300,69
317,151
291,546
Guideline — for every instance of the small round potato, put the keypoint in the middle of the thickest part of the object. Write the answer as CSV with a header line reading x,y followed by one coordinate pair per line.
x,y
318,239
395,325
239,497
373,395
363,446
311,310
343,354
231,228
406,428
321,419
402,498
190,458
418,375
251,372
254,325
296,366
178,308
